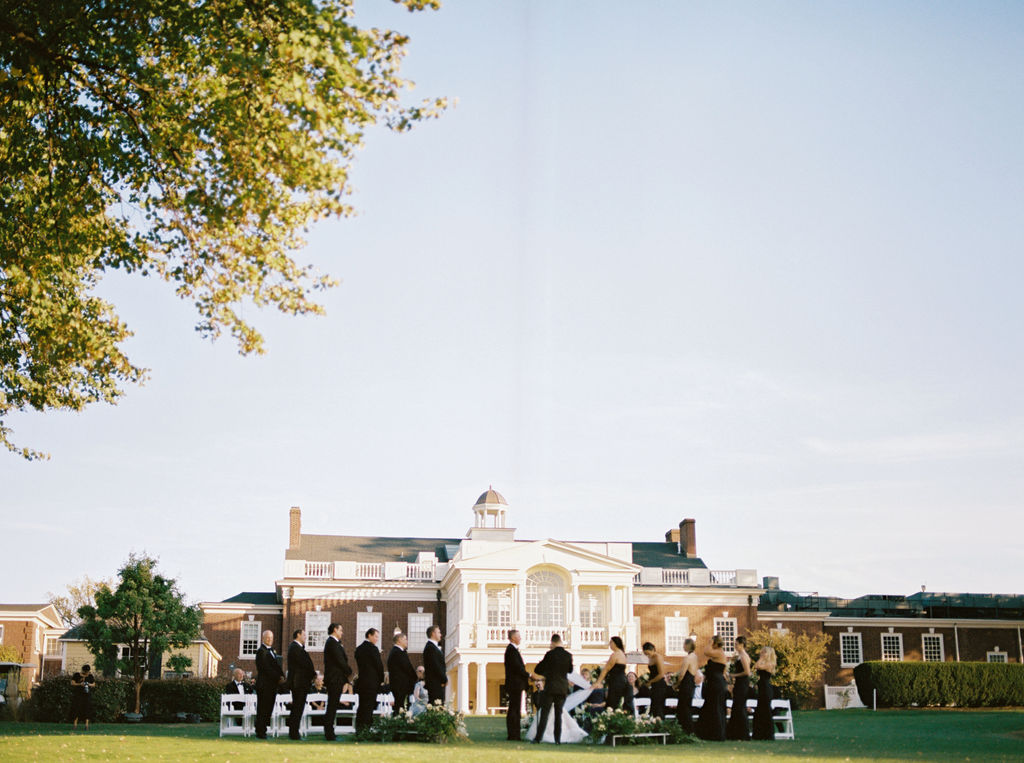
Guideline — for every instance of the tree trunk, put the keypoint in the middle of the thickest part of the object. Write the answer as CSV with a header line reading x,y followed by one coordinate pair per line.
x,y
138,696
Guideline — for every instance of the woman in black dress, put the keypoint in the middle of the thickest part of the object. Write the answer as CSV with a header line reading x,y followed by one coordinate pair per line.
x,y
613,677
764,727
739,727
711,722
657,682
686,683
82,686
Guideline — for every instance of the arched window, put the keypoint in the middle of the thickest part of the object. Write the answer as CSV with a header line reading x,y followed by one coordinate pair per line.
x,y
545,600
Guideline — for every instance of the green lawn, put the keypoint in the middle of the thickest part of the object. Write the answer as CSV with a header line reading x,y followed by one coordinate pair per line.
x,y
836,735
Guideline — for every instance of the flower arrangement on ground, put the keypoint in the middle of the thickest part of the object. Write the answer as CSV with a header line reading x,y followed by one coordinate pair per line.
x,y
603,726
436,723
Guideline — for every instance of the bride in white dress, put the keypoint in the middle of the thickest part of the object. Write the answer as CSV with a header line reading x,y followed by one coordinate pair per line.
x,y
571,731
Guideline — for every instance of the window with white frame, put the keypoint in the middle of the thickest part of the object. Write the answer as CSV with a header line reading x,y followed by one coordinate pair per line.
x,y
726,628
932,649
592,609
996,656
499,608
545,600
365,621
316,630
892,647
1,633
677,630
417,633
52,648
249,638
851,650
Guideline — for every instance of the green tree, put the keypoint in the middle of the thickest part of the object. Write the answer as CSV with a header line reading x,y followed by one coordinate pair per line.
x,y
801,660
192,141
9,654
146,613
80,593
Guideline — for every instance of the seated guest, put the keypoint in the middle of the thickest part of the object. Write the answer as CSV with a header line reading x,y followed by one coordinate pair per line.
x,y
595,702
238,685
419,694
318,687
538,693
633,687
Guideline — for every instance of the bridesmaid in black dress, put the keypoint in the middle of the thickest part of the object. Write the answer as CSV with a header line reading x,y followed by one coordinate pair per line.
x,y
764,728
739,727
657,683
711,722
686,684
613,677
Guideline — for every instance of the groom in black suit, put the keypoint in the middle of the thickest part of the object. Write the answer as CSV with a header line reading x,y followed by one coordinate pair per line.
x,y
555,669
516,681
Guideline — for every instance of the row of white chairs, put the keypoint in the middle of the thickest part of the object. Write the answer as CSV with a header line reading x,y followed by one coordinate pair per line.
x,y
238,713
782,712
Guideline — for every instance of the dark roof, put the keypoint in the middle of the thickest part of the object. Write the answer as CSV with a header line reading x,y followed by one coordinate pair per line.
x,y
360,548
662,554
978,606
75,632
253,597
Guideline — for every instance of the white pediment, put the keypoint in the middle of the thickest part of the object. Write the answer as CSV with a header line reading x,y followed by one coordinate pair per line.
x,y
529,554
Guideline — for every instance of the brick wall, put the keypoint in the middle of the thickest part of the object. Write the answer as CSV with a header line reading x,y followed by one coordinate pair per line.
x,y
223,631
701,621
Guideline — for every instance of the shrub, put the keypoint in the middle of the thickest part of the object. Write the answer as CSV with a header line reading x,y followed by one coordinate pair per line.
x,y
161,700
951,684
801,661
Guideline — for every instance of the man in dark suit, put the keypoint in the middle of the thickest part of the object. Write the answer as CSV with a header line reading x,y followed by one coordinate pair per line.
x,y
238,685
370,676
555,668
516,681
433,665
401,674
336,675
269,678
300,675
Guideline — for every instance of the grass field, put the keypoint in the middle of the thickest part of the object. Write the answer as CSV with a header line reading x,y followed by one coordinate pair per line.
x,y
837,735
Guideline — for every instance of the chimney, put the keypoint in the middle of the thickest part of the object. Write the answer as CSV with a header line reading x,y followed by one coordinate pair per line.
x,y
688,537
294,527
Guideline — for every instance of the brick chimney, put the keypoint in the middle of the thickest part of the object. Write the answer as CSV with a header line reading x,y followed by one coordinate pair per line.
x,y
672,536
294,527
688,537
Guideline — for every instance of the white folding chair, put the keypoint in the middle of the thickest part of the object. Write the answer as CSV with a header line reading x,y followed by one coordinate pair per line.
x,y
385,704
236,712
345,718
782,717
695,706
279,716
309,712
641,705
671,704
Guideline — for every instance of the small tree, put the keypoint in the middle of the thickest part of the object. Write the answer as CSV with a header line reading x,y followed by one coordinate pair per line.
x,y
146,613
80,593
801,660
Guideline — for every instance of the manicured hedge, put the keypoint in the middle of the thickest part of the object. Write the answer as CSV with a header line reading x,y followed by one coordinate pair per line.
x,y
162,700
949,684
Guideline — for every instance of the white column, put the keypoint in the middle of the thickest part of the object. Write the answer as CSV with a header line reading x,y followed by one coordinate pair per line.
x,y
463,690
481,688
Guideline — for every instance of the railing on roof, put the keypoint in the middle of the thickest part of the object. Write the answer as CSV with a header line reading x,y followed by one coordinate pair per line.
x,y
346,570
695,576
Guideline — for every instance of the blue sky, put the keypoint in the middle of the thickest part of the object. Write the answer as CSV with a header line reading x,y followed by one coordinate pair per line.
x,y
753,263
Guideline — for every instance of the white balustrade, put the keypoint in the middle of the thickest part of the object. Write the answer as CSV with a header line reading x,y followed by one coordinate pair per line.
x,y
593,636
675,577
369,570
319,569
723,577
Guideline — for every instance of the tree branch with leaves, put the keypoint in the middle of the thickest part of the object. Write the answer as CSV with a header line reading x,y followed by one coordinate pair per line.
x,y
193,142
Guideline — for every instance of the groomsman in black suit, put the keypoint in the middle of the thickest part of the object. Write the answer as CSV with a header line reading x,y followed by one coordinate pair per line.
x,y
370,676
433,665
401,674
269,678
336,675
516,681
555,668
300,675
